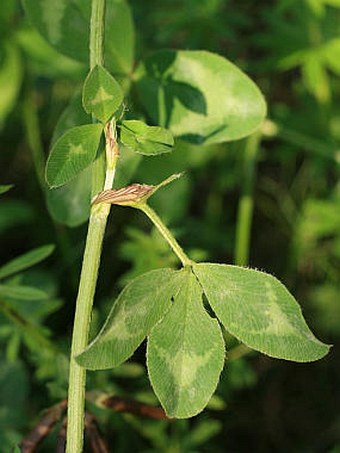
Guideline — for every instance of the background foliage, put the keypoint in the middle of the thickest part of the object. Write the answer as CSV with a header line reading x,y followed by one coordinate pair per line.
x,y
291,48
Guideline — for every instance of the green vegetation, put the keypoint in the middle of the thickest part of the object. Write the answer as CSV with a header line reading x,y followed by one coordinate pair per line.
x,y
94,113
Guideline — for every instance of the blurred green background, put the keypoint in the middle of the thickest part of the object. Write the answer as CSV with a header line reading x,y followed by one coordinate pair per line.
x,y
291,48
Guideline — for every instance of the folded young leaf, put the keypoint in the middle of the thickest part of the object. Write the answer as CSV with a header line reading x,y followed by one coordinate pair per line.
x,y
26,260
72,153
144,139
140,305
102,94
185,353
258,310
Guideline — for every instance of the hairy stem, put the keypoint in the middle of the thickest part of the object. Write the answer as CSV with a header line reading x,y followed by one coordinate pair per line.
x,y
246,204
90,266
186,261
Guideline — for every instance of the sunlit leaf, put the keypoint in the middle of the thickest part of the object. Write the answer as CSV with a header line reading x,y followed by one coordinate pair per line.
x,y
199,96
72,153
331,54
185,354
258,310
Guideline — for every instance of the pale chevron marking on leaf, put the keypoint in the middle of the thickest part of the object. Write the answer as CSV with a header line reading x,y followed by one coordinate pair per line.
x,y
101,96
119,328
185,353
52,15
76,149
184,366
261,313
279,322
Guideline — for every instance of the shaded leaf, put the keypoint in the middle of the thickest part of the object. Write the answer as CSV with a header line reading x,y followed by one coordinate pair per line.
x,y
21,292
14,213
26,260
137,309
11,72
144,139
258,310
102,95
14,390
72,153
185,354
200,96
70,204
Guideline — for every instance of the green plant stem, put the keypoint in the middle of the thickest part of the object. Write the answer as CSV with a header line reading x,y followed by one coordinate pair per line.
x,y
87,285
90,266
186,261
97,33
246,204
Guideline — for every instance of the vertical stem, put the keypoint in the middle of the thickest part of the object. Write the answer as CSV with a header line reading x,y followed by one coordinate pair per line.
x,y
89,272
246,204
87,285
97,33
